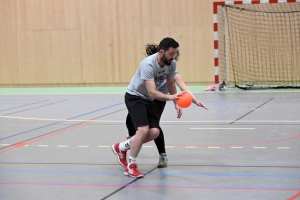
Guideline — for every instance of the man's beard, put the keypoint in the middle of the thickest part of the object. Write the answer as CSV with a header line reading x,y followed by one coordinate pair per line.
x,y
165,61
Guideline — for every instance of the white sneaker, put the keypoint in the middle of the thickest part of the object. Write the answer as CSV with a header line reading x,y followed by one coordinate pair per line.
x,y
163,160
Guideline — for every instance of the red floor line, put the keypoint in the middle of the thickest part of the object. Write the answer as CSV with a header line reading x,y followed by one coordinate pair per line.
x,y
137,186
21,144
294,197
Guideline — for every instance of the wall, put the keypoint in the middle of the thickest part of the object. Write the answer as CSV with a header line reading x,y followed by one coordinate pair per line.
x,y
79,42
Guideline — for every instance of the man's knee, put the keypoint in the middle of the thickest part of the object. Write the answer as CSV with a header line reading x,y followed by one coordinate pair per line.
x,y
143,130
154,132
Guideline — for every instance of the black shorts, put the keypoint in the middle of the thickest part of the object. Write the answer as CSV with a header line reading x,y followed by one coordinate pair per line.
x,y
159,106
142,112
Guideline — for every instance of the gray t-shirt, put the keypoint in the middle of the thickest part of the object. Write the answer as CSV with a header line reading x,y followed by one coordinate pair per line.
x,y
149,69
163,86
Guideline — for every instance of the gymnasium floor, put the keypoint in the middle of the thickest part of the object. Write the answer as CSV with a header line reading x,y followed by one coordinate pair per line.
x,y
55,144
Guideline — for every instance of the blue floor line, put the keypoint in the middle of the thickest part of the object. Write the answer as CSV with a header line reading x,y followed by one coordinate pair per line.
x,y
154,173
72,118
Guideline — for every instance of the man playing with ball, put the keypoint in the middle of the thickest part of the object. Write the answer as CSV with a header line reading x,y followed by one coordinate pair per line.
x,y
160,105
140,93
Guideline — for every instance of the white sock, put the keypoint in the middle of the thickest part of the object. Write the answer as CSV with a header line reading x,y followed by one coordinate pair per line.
x,y
124,146
131,159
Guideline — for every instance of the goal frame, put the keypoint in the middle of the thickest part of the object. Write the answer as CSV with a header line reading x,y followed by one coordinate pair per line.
x,y
215,28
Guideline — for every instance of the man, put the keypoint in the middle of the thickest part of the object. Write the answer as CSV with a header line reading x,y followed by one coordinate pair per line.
x,y
140,93
160,105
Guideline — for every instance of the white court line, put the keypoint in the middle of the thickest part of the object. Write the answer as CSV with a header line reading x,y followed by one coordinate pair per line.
x,y
62,146
187,147
122,121
283,147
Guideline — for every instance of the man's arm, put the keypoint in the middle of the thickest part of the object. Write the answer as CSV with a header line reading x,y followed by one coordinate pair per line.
x,y
153,93
179,81
171,84
172,90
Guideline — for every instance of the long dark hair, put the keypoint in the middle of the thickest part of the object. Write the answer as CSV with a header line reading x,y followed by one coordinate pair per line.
x,y
151,49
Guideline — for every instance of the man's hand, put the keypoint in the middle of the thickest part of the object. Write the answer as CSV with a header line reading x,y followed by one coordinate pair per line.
x,y
177,107
198,103
179,111
176,96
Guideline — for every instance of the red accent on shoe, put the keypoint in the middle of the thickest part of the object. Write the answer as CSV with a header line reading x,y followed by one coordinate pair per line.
x,y
132,171
121,154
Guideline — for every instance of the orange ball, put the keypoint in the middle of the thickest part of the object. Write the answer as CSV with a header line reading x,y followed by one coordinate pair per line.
x,y
184,100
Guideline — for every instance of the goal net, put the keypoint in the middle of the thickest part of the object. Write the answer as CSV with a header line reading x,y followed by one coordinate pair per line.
x,y
259,45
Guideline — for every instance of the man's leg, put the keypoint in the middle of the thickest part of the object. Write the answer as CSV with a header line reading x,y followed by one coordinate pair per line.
x,y
160,144
143,115
160,140
134,144
143,135
130,127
